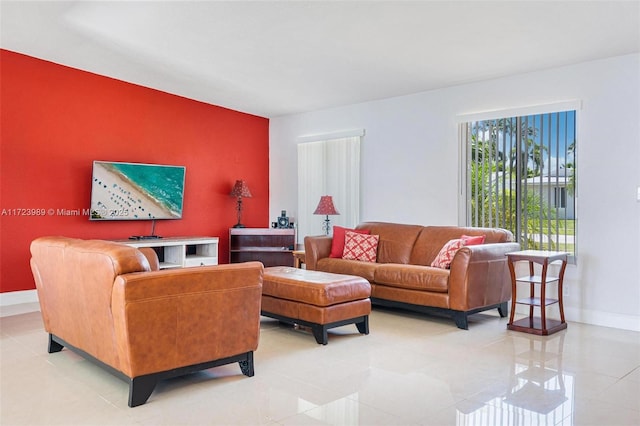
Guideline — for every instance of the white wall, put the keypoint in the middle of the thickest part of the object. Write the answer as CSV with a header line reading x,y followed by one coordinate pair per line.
x,y
410,168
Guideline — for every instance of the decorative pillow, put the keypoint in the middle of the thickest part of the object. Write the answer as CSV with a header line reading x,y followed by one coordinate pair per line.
x,y
337,244
444,258
360,246
472,241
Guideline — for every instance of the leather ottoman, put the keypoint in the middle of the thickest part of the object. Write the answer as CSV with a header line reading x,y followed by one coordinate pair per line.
x,y
319,300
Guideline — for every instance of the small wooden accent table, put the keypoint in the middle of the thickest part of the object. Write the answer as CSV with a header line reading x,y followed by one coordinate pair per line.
x,y
298,258
537,325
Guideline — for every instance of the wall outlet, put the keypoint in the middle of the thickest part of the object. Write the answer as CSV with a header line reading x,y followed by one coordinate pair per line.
x,y
565,291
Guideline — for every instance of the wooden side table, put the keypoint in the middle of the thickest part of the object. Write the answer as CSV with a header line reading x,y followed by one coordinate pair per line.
x,y
537,325
298,258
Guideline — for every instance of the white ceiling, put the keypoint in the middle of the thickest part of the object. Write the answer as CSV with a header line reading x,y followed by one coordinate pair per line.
x,y
272,58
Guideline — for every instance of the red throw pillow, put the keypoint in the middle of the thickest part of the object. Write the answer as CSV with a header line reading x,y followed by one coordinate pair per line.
x,y
359,246
337,244
472,241
444,258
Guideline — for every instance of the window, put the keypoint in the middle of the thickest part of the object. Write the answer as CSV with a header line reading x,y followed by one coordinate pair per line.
x,y
560,197
329,165
520,175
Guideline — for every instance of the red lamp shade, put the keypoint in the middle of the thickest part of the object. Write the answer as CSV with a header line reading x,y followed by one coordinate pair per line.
x,y
240,189
325,206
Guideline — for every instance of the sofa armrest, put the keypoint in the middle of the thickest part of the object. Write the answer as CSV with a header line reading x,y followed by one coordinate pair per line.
x,y
316,248
480,276
152,257
186,316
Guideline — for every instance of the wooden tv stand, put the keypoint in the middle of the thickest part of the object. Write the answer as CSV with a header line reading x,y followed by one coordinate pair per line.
x,y
180,252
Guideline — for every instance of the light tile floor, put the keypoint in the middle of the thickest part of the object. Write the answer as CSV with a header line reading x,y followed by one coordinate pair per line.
x,y
411,369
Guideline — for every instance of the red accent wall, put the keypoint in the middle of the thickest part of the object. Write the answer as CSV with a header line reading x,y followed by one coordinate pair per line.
x,y
55,121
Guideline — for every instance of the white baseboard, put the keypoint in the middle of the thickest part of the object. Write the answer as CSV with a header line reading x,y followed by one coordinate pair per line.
x,y
18,302
18,297
603,319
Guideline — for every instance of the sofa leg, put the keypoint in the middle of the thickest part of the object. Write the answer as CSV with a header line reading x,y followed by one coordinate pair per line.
x,y
53,345
140,389
320,333
503,309
246,366
461,320
363,326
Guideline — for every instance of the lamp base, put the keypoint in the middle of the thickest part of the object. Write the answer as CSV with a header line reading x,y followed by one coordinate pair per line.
x,y
327,225
239,209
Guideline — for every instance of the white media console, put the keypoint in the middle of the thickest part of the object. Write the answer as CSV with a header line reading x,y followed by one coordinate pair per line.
x,y
180,252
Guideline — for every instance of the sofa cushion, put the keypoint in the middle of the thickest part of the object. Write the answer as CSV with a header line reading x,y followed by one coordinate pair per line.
x,y
396,240
432,238
337,242
445,256
348,267
413,277
359,246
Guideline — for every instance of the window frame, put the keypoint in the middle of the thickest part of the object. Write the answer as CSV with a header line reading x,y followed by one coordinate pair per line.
x,y
464,210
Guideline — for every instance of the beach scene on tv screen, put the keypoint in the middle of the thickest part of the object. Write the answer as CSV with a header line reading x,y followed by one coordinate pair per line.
x,y
130,191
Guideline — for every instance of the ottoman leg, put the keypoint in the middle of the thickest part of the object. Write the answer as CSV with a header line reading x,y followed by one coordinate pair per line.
x,y
320,333
363,326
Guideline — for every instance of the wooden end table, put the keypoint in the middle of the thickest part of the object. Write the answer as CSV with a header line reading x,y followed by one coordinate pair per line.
x,y
298,258
542,325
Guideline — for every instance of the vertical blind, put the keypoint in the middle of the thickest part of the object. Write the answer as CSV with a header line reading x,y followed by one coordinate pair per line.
x,y
520,175
328,167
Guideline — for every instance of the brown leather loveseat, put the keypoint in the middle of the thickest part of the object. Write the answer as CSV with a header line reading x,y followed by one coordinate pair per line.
x,y
102,300
401,276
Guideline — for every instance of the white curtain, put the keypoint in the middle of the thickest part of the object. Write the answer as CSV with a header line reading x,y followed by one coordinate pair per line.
x,y
328,167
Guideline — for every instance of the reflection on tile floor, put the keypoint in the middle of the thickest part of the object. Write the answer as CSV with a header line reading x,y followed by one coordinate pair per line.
x,y
411,369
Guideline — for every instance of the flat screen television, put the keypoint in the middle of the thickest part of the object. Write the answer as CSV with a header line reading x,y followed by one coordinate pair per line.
x,y
136,191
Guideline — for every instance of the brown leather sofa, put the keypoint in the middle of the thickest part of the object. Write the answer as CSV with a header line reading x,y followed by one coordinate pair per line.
x,y
477,280
103,300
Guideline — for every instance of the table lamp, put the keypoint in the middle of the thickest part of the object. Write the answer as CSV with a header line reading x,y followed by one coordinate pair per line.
x,y
240,190
325,207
